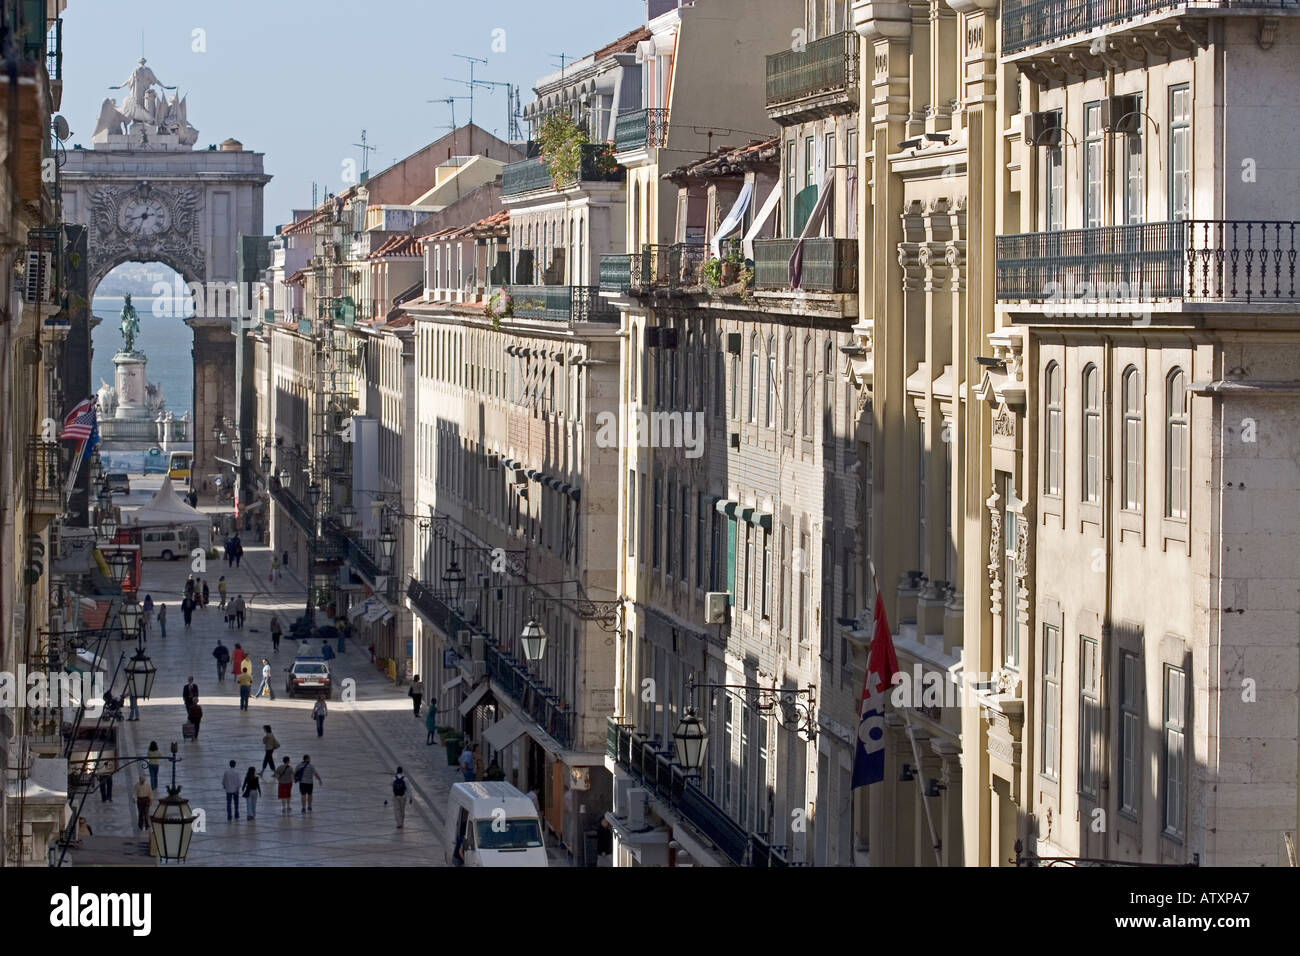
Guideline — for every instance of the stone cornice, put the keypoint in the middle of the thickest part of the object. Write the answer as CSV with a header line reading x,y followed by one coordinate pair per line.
x,y
888,20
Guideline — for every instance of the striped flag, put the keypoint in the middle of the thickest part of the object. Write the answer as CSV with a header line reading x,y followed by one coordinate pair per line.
x,y
80,421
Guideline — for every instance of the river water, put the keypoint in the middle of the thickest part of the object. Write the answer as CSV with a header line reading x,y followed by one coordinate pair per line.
x,y
166,341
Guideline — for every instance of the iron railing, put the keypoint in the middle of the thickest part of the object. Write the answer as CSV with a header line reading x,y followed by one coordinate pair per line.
x,y
54,49
1212,260
430,605
561,303
615,273
640,130
298,512
548,709
825,66
44,479
673,266
829,265
533,174
656,771
353,551
1039,22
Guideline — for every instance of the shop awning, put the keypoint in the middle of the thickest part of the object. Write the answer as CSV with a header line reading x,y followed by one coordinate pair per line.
x,y
458,679
477,694
356,610
504,732
379,612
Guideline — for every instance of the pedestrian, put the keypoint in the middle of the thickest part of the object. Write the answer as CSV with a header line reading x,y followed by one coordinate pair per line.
x,y
196,716
237,662
135,706
372,652
252,790
162,620
265,686
148,605
190,692
494,771
275,568
284,785
230,784
153,758
466,763
532,795
143,797
190,587
194,498
275,632
326,651
230,554
284,560
187,610
416,693
399,798
245,681
206,595
221,590
307,777
105,774
239,551
223,658
318,714
431,722
240,608
270,745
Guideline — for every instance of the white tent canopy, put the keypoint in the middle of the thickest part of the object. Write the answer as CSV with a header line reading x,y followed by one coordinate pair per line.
x,y
166,508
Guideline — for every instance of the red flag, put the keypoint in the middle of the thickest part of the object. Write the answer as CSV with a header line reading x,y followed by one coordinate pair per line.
x,y
882,665
80,421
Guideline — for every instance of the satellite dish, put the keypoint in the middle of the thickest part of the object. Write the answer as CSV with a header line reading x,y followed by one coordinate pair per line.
x,y
61,130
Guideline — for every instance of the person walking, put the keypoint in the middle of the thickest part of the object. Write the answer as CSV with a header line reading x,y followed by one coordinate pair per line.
x,y
134,713
240,608
326,651
223,658
245,680
399,798
466,763
190,692
230,784
265,686
270,745
206,595
153,757
105,774
284,785
191,588
239,551
230,553
276,631
187,611
237,661
431,723
308,777
318,714
221,590
143,797
275,568
252,790
416,693
148,605
196,716
162,620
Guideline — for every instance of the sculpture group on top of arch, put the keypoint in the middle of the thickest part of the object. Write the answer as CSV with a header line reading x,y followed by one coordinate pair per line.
x,y
147,118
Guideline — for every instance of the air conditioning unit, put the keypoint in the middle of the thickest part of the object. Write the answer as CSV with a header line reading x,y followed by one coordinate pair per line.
x,y
1119,114
715,607
733,343
38,283
734,440
637,798
652,337
668,338
1043,129
478,671
493,461
463,637
477,648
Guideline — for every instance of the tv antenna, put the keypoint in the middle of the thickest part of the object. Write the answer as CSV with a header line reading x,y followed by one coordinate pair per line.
x,y
472,60
564,58
365,152
514,132
450,101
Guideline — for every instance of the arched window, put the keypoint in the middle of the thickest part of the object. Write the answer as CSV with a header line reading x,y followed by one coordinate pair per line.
x,y
787,385
1131,476
1052,425
1091,434
771,381
753,378
806,396
1176,444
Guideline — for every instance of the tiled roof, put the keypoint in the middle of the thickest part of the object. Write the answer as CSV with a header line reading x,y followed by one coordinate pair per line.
x,y
730,160
624,44
298,276
406,246
492,223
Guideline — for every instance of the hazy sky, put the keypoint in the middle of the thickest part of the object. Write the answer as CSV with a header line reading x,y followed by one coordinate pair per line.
x,y
299,79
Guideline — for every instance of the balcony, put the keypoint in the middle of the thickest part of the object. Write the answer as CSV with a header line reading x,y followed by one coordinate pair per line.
x,y
532,175
818,80
615,273
353,552
829,265
672,267
429,605
658,773
561,303
299,513
1195,260
1038,23
44,477
644,129
546,708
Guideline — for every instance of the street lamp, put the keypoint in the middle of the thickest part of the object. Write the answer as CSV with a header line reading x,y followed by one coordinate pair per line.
x,y
388,544
118,564
266,462
689,740
216,433
140,674
313,495
453,579
108,526
347,517
533,639
248,454
130,614
173,822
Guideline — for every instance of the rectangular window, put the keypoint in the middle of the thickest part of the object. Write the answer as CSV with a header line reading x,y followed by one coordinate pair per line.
x,y
851,179
747,572
767,575
641,521
671,552
790,180
809,161
631,514
828,224
828,598
1175,765
715,551
724,752
1054,187
1180,152
801,559
656,526
1134,178
1130,733
685,540
1093,160
1051,748
701,506
1089,717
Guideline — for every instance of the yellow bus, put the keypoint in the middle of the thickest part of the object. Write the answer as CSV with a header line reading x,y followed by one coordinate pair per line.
x,y
178,466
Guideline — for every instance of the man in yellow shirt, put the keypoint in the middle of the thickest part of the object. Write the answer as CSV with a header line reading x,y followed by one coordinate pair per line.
x,y
245,681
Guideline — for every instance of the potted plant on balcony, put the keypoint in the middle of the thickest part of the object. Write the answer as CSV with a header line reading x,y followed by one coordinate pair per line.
x,y
712,273
731,266
561,140
501,304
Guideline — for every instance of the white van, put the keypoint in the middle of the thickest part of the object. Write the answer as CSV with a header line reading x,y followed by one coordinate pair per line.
x,y
167,543
491,823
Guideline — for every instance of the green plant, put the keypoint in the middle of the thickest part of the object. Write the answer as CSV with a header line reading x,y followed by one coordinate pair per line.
x,y
734,256
711,272
746,279
561,141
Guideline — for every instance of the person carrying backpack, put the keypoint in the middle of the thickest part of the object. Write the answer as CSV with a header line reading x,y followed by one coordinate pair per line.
x,y
400,798
318,714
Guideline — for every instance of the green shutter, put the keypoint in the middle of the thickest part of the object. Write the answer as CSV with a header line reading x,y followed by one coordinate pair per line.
x,y
731,561
804,203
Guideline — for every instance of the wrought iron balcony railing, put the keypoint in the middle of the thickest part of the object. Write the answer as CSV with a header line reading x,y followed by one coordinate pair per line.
x,y
643,129
1039,22
430,605
561,303
298,512
54,49
530,175
44,476
670,783
822,67
1211,260
673,266
615,273
546,708
829,265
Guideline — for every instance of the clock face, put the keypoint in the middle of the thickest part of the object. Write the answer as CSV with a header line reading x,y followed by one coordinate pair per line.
x,y
143,217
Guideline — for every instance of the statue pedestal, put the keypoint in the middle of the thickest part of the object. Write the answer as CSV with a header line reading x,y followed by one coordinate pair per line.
x,y
132,420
